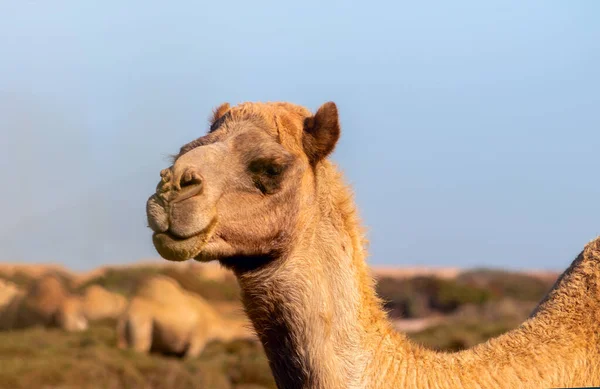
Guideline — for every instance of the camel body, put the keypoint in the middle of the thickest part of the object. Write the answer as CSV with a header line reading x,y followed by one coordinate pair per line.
x,y
44,304
99,303
163,317
96,303
8,291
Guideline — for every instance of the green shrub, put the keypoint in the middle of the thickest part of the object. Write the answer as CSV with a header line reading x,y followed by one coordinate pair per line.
x,y
127,280
124,281
420,296
513,285
456,335
23,280
226,290
42,358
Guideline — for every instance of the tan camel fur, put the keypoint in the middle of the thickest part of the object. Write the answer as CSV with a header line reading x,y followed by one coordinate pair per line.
x,y
70,315
165,318
258,194
47,303
8,291
96,303
10,296
99,303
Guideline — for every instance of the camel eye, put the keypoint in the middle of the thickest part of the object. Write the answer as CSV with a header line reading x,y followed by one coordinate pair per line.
x,y
273,170
266,175
262,166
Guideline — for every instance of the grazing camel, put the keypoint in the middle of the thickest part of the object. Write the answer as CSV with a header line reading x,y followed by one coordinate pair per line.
x,y
76,312
10,297
99,303
165,318
47,303
70,315
258,194
8,291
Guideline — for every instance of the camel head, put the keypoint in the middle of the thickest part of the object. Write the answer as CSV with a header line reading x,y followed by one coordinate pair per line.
x,y
70,315
242,190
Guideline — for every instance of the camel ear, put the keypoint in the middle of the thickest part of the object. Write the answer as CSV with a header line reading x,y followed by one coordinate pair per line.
x,y
321,132
218,116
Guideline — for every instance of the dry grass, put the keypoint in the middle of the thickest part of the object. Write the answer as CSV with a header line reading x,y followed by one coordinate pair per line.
x,y
415,271
458,310
42,358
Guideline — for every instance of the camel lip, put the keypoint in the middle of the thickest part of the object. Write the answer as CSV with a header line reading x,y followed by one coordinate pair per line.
x,y
174,237
179,237
174,248
177,249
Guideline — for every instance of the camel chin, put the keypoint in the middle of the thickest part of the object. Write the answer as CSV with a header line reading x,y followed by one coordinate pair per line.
x,y
179,250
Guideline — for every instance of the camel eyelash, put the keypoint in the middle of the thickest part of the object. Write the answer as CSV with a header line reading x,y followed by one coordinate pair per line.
x,y
266,166
267,175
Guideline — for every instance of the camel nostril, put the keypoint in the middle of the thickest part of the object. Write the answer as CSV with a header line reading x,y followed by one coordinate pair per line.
x,y
190,178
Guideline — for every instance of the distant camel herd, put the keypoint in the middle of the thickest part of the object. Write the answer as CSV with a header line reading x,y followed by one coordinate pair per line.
x,y
160,317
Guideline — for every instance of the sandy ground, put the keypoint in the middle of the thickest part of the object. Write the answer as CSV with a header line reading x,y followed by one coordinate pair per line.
x,y
413,271
416,325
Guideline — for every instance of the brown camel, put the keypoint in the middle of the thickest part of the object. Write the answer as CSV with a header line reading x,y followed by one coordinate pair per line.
x,y
165,318
76,312
8,291
258,194
70,315
45,303
99,303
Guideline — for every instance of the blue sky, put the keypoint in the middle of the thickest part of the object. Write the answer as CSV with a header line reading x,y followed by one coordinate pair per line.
x,y
470,129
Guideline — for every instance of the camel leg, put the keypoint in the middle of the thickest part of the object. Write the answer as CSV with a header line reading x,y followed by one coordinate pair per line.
x,y
197,343
122,329
135,332
141,332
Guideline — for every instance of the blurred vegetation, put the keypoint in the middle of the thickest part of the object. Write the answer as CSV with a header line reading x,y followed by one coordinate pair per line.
x,y
125,281
23,279
501,283
20,279
421,296
50,358
193,281
44,358
475,306
456,335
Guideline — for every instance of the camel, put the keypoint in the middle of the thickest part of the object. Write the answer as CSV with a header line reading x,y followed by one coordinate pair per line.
x,y
165,318
259,194
46,303
9,295
8,291
38,306
70,315
76,312
99,304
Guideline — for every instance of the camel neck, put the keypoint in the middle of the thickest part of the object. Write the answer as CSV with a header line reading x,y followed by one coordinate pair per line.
x,y
307,313
317,315
315,309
